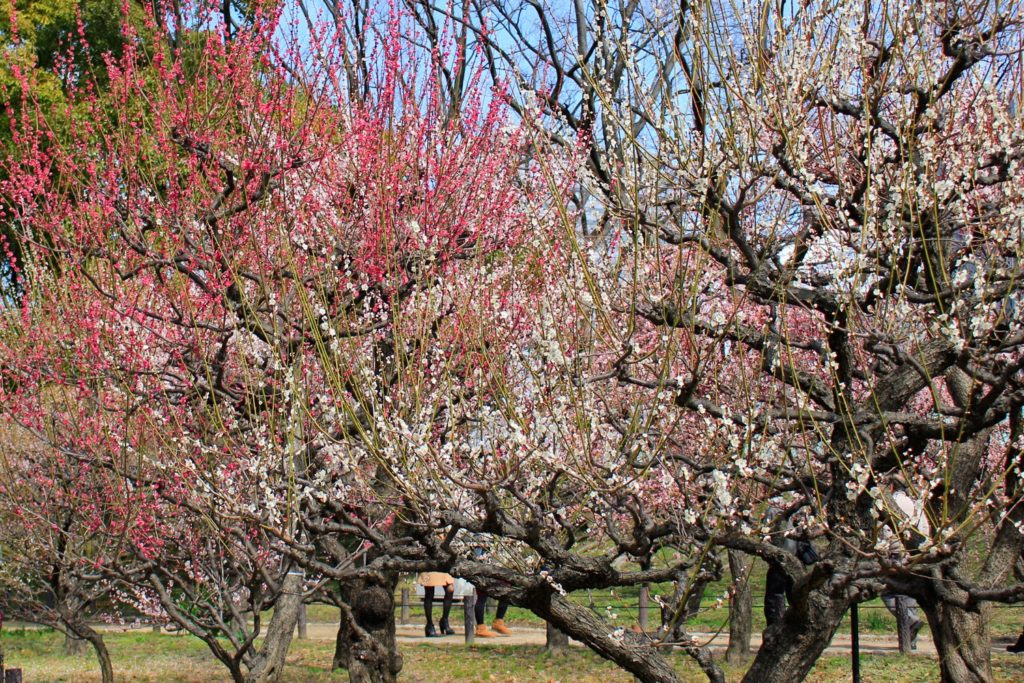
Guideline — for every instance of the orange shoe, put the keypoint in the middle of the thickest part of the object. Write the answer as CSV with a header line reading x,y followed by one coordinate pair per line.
x,y
483,632
499,627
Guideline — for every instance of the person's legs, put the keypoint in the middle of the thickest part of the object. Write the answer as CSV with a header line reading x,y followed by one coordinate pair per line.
x,y
446,609
428,611
915,623
889,599
774,607
498,625
776,585
481,604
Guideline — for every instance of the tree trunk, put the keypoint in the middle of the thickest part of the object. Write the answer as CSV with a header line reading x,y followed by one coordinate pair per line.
x,y
792,646
694,599
469,617
366,644
81,633
962,640
556,641
340,645
740,604
102,656
268,664
73,645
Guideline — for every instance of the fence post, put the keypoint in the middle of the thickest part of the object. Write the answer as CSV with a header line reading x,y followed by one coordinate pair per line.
x,y
903,623
644,606
405,606
303,624
469,615
854,643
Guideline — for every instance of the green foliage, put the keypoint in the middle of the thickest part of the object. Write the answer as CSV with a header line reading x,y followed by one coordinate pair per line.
x,y
52,45
48,28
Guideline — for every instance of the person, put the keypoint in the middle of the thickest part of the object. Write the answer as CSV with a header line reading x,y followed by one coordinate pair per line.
x,y
902,513
498,625
479,553
916,623
777,585
1017,647
430,581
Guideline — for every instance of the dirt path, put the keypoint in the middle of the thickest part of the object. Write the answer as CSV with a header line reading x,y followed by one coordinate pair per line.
x,y
413,634
869,644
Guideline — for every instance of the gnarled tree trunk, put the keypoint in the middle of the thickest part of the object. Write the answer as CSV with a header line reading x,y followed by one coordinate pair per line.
x,y
80,633
268,664
366,635
102,656
962,637
740,605
792,646
959,624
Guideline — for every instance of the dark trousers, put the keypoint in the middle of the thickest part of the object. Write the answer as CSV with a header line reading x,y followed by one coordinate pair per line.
x,y
774,607
481,603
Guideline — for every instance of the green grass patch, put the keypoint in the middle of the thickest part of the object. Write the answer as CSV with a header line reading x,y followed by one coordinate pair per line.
x,y
145,657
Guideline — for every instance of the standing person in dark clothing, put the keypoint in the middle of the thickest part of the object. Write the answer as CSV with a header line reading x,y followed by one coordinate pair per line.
x,y
1017,647
479,553
499,616
430,581
777,584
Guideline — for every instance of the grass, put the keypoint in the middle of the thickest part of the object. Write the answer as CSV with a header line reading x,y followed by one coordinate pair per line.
x,y
144,657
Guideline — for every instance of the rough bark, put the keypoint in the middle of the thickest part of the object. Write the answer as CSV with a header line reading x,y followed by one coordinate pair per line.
x,y
633,653
683,606
792,646
341,644
962,637
80,633
102,657
740,605
556,642
959,624
694,599
469,617
74,645
366,644
268,664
